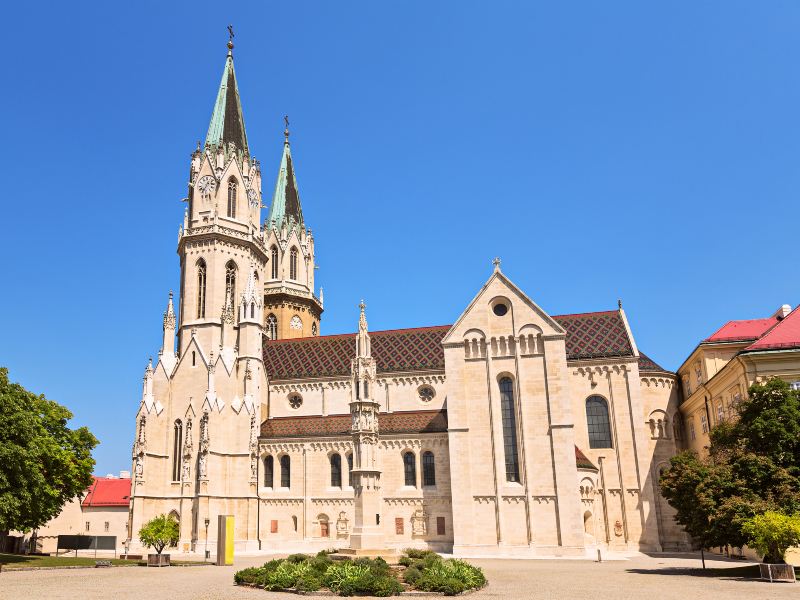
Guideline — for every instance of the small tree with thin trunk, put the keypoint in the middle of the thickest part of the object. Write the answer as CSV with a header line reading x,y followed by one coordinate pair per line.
x,y
772,534
159,533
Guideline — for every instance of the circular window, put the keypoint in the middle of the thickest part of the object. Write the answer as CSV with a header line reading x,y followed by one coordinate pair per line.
x,y
295,400
500,309
296,323
426,393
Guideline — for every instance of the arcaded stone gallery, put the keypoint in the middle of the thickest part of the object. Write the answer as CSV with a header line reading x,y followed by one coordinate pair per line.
x,y
512,432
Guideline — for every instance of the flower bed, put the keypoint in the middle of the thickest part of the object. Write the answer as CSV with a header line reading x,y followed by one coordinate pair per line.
x,y
418,570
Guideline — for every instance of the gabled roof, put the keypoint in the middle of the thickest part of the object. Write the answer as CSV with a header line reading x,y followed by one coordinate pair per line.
x,y
418,421
589,335
783,336
227,121
106,491
742,331
582,462
286,199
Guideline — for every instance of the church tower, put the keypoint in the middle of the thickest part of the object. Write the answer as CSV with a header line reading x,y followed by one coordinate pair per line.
x,y
291,309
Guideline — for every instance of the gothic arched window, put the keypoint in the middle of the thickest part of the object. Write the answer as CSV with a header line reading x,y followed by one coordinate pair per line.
x,y
252,310
272,327
336,470
428,469
273,256
269,471
286,471
232,198
410,469
293,264
597,422
230,282
350,469
176,450
508,414
201,289
314,329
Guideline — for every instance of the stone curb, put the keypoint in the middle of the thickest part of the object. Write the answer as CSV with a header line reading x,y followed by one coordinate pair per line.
x,y
329,593
6,569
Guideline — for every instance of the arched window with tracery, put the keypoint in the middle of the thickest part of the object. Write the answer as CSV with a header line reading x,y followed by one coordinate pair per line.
x,y
428,469
272,327
350,469
177,441
314,329
201,289
508,413
336,470
232,198
269,471
230,282
273,256
410,469
598,422
286,471
293,264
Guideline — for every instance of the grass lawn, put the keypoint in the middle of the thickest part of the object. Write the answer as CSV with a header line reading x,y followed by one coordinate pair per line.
x,y
11,561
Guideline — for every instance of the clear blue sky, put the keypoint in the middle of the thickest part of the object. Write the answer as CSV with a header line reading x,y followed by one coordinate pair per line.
x,y
643,151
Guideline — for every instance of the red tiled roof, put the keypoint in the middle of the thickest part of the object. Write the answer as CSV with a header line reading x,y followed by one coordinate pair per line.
x,y
741,331
418,421
582,461
785,335
589,335
108,492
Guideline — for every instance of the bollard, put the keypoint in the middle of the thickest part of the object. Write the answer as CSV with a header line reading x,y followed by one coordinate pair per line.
x,y
599,557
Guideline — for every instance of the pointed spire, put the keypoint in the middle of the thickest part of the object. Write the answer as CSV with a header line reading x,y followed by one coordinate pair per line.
x,y
363,342
169,314
285,205
227,121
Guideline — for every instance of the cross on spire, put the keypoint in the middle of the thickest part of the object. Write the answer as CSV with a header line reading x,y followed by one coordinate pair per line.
x,y
286,129
496,263
230,37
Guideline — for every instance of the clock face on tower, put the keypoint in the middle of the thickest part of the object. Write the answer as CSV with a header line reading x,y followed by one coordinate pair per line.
x,y
253,197
206,185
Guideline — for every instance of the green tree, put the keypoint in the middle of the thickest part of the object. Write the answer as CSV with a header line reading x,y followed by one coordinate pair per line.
x,y
772,534
43,463
753,467
160,532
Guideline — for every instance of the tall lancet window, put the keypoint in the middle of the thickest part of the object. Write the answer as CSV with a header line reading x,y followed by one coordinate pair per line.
x,y
508,414
272,327
232,198
598,422
230,282
201,289
177,442
293,264
273,256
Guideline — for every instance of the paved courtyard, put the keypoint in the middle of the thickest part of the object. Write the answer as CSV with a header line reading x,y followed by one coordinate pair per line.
x,y
659,576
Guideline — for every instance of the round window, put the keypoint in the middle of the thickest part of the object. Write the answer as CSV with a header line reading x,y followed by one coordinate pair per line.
x,y
500,309
295,400
426,393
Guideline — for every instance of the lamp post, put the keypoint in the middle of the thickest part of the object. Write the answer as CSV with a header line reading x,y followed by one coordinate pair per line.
x,y
207,521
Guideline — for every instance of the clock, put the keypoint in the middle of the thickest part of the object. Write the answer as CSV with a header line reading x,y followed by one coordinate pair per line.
x,y
252,196
206,185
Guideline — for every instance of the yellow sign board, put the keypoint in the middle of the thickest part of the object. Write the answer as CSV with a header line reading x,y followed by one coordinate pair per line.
x,y
225,537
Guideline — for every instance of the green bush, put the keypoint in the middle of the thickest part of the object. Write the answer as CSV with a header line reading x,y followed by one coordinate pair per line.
x,y
772,533
297,558
345,577
308,583
411,575
320,563
417,553
450,577
385,585
248,575
405,561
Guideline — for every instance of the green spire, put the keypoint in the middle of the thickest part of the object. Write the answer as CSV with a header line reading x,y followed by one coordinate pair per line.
x,y
286,199
227,122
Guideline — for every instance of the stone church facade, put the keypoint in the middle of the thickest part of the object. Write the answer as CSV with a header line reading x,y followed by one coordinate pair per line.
x,y
510,432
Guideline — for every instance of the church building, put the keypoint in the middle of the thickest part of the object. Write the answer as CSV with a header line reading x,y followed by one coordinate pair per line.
x,y
512,432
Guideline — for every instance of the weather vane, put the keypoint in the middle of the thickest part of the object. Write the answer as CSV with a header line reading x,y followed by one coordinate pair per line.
x,y
286,130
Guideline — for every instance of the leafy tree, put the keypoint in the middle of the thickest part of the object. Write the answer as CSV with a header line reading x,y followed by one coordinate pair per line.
x,y
772,534
753,467
160,532
43,463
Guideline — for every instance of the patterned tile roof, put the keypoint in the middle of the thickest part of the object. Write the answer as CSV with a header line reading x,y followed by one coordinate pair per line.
x,y
648,364
582,461
589,335
418,421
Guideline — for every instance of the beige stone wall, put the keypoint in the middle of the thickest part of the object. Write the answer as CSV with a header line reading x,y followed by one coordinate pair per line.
x,y
77,520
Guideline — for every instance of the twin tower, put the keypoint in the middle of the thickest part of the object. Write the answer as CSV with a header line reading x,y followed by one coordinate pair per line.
x,y
195,454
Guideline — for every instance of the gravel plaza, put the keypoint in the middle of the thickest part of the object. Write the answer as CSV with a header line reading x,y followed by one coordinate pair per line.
x,y
663,576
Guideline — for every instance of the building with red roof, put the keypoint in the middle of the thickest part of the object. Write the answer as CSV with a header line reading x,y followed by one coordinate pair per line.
x,y
715,377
